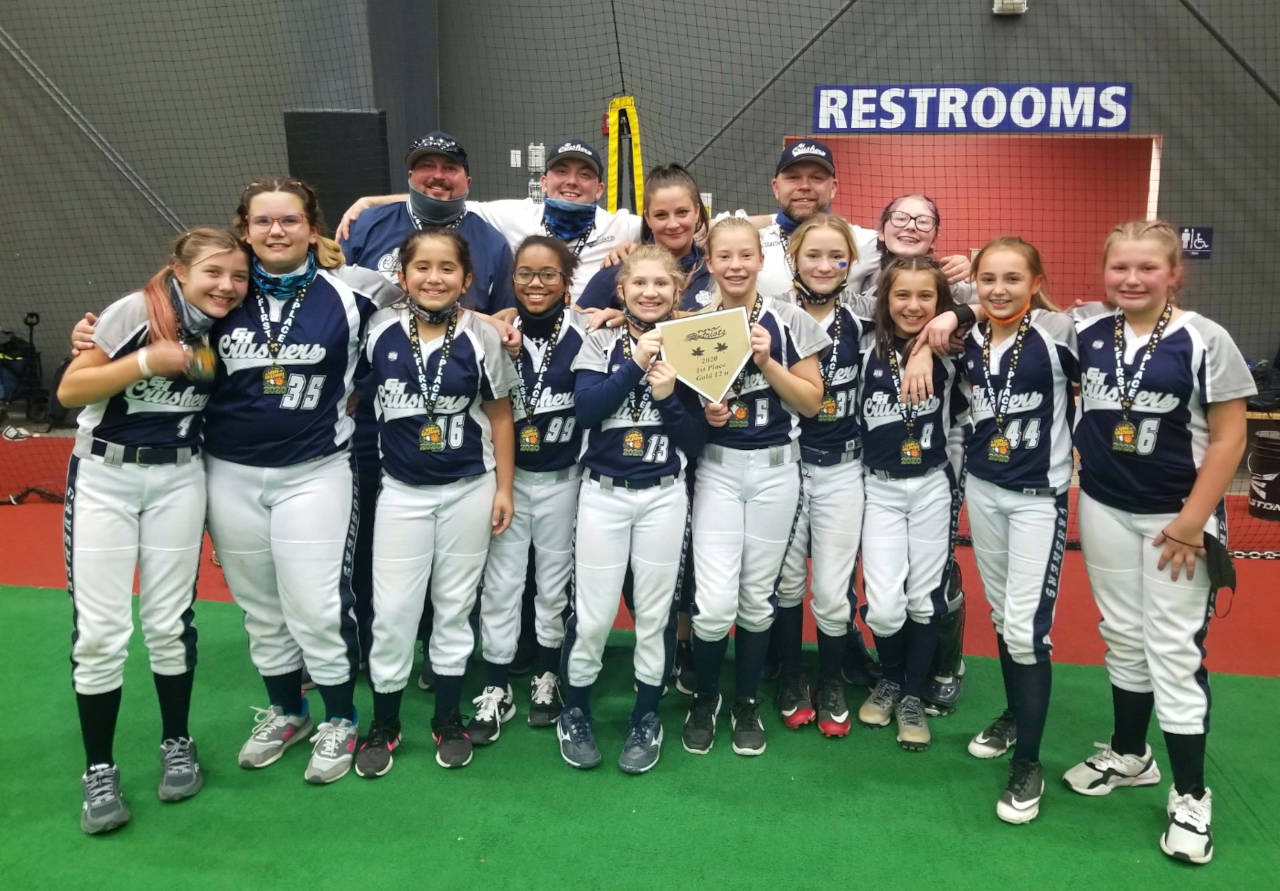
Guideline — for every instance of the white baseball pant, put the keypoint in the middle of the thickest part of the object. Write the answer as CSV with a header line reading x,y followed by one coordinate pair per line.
x,y
828,532
617,526
427,533
546,503
1154,627
285,537
115,518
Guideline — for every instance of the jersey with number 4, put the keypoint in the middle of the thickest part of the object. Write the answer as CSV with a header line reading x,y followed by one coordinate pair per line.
x,y
456,440
1033,449
835,427
558,438
1149,465
886,443
159,412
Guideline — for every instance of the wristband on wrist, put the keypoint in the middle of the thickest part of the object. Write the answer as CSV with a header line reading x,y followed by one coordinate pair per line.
x,y
142,363
964,315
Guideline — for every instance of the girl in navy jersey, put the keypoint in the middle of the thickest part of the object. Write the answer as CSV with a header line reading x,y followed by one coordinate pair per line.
x,y
910,509
136,497
1020,365
447,443
748,487
547,441
642,429
1161,432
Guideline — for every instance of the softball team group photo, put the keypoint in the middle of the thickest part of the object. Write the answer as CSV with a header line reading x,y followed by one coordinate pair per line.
x,y
456,425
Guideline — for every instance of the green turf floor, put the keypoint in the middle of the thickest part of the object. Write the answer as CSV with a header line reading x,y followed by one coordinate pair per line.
x,y
811,812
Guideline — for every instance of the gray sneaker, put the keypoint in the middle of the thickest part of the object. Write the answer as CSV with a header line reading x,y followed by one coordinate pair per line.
x,y
913,727
643,746
877,711
335,748
182,776
104,807
577,743
273,733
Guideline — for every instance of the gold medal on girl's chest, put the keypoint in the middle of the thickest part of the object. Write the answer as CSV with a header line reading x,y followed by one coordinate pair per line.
x,y
1124,437
910,450
530,439
998,449
273,381
737,413
633,443
430,438
827,412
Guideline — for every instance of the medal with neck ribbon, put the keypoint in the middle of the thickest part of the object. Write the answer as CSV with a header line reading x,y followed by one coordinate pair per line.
x,y
1124,436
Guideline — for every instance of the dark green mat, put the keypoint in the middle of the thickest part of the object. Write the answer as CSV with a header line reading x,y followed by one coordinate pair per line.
x,y
810,812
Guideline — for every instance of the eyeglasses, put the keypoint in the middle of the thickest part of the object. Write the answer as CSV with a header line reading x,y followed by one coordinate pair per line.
x,y
288,221
547,276
924,222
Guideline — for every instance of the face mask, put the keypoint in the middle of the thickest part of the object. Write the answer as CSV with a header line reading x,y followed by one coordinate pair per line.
x,y
192,321
429,211
566,219
817,299
785,223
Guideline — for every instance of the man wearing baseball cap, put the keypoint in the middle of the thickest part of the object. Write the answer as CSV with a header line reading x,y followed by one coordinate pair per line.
x,y
572,183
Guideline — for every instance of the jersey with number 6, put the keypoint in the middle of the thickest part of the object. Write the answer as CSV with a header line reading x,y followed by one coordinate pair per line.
x,y
884,428
1034,450
159,412
457,440
1195,364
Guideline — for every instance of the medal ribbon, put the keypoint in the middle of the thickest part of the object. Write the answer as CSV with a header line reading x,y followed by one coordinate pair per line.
x,y
579,244
1128,393
431,395
1000,398
829,369
637,410
752,319
908,412
531,404
273,345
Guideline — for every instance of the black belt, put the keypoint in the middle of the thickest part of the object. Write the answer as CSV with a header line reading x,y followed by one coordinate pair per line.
x,y
618,482
116,454
819,458
896,475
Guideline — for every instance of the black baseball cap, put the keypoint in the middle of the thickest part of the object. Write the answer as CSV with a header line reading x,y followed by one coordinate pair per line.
x,y
576,148
807,150
437,142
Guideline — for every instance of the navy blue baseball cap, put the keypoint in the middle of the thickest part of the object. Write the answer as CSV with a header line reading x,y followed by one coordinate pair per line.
x,y
807,150
576,148
437,142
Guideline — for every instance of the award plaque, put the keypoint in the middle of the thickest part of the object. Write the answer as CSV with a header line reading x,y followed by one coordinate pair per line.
x,y
707,350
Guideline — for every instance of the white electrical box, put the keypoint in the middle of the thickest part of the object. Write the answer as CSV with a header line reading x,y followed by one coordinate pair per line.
x,y
515,158
1009,7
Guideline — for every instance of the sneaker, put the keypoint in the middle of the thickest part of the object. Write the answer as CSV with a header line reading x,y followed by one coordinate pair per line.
x,y
334,750
682,671
104,808
699,733
795,701
577,743
545,703
373,758
943,693
643,746
1188,836
997,739
181,777
453,746
1106,769
877,711
273,733
748,731
426,677
495,706
1020,801
913,727
833,709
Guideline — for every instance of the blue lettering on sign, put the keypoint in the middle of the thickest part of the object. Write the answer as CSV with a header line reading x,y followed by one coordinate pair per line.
x,y
970,108
1197,242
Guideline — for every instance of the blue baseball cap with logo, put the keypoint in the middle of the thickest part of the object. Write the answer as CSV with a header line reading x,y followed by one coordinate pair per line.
x,y
437,142
576,148
807,150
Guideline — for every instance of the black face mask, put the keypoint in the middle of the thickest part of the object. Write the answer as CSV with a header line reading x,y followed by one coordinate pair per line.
x,y
436,211
817,299
539,324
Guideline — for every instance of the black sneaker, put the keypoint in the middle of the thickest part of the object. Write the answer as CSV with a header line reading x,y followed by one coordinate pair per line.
x,y
1020,801
577,741
997,739
700,724
545,703
453,746
748,731
795,701
943,693
683,672
833,709
495,706
373,758
643,746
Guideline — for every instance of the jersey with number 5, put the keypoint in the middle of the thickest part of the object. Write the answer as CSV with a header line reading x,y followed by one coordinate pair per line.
x,y
886,443
1149,465
1033,450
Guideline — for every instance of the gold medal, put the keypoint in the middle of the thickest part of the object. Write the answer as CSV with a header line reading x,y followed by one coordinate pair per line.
x,y
1123,438
998,449
737,413
530,439
910,450
200,363
827,412
430,439
273,381
633,443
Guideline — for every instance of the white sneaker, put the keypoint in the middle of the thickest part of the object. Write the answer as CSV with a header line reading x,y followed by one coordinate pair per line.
x,y
335,748
1106,769
1188,836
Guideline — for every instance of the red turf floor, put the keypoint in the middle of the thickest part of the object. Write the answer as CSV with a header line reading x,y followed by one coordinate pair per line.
x,y
1240,643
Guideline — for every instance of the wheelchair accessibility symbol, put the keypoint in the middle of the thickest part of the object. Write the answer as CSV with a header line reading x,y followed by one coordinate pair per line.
x,y
1197,242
